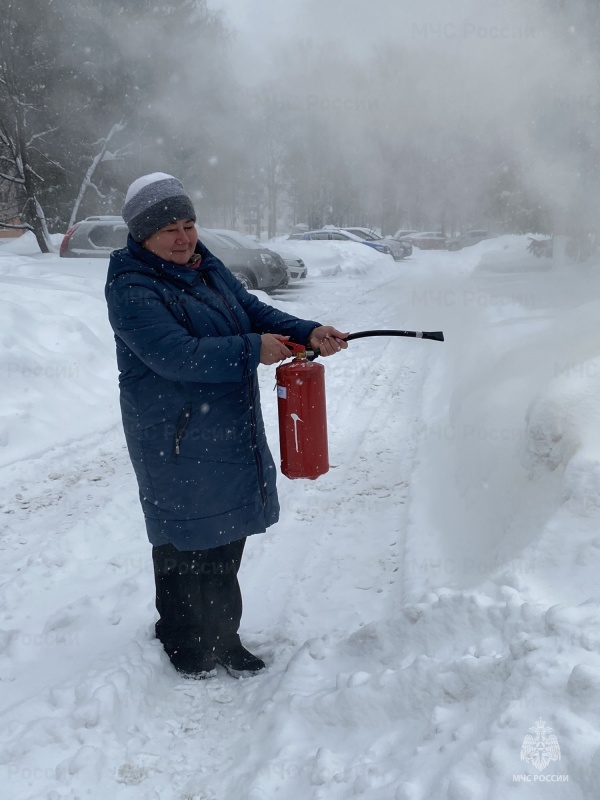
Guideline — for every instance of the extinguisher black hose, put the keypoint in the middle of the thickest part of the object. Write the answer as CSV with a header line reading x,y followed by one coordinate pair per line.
x,y
437,336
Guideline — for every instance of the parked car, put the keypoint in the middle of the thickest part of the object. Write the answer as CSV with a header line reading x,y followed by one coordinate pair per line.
x,y
296,268
466,239
335,234
401,233
94,237
427,240
253,265
256,267
399,250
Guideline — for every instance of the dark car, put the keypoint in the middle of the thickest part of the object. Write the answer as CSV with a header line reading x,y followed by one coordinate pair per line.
x,y
467,239
296,268
427,240
97,237
336,234
254,266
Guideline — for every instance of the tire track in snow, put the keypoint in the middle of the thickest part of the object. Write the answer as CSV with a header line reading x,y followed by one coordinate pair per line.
x,y
372,389
334,577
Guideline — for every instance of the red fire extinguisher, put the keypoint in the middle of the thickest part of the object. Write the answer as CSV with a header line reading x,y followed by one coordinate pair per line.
x,y
302,411
302,416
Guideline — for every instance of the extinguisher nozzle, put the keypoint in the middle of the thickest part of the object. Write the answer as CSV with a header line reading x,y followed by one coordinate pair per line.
x,y
437,335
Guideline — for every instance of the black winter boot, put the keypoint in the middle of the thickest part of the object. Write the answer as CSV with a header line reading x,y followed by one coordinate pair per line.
x,y
191,664
239,662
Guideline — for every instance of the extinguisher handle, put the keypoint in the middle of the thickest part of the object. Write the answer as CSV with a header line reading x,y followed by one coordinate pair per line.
x,y
301,350
295,348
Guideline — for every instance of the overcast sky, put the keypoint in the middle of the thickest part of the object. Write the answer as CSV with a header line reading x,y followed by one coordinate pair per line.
x,y
264,20
496,70
362,27
258,22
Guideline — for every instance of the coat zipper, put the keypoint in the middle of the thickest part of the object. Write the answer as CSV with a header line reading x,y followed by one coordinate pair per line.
x,y
182,424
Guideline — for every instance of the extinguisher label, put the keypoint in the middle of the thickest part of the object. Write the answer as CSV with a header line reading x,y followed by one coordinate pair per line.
x,y
282,391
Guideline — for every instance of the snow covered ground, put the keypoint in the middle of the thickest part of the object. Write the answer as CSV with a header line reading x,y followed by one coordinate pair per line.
x,y
423,608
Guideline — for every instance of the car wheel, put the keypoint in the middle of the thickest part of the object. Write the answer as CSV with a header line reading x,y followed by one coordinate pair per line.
x,y
247,280
454,246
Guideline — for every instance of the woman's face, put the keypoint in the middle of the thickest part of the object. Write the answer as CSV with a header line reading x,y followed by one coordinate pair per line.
x,y
175,242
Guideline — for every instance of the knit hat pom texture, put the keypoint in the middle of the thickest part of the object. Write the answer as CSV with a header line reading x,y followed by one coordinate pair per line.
x,y
153,201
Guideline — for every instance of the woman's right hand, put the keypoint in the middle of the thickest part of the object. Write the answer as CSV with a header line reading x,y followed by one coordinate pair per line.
x,y
273,349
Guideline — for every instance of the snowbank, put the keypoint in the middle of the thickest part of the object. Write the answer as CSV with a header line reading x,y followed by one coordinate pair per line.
x,y
56,352
331,258
510,254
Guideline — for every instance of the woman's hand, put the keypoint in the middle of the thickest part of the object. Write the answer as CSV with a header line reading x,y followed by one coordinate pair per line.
x,y
273,349
328,340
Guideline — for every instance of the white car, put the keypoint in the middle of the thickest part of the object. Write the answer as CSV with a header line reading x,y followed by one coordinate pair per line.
x,y
398,249
296,268
337,234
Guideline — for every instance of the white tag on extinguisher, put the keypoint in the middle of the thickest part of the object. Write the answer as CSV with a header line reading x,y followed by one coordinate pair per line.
x,y
282,392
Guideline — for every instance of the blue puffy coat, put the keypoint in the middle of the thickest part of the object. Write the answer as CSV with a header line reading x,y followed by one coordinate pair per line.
x,y
188,348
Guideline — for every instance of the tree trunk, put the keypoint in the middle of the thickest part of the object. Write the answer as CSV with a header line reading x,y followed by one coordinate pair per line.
x,y
89,175
32,210
36,219
272,211
258,211
40,230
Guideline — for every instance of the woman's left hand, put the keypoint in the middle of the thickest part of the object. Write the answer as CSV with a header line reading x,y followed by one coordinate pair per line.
x,y
328,340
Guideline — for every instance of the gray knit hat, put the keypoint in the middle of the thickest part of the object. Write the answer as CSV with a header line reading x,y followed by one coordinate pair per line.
x,y
154,201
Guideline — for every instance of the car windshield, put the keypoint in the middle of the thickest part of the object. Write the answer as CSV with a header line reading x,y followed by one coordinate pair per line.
x,y
213,241
238,239
108,236
370,237
347,235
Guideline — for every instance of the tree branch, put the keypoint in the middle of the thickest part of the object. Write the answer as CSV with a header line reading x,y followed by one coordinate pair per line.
x,y
11,178
25,226
41,135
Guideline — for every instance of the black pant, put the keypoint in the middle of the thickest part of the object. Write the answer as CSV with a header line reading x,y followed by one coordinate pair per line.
x,y
199,601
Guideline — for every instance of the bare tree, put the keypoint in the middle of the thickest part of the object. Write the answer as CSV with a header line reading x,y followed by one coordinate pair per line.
x,y
25,125
68,71
103,154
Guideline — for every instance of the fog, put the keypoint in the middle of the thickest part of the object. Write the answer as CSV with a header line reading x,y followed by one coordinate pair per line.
x,y
392,114
264,22
427,115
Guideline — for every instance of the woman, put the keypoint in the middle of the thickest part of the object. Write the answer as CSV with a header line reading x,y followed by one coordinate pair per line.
x,y
189,341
